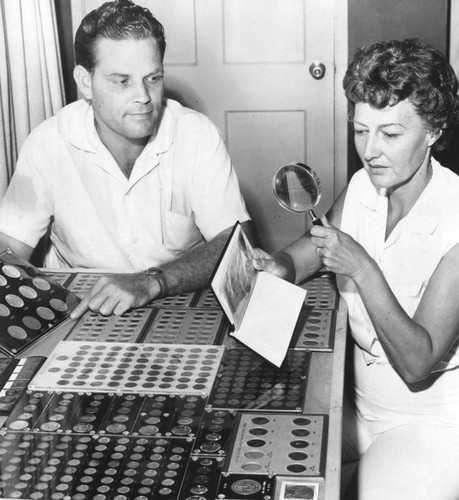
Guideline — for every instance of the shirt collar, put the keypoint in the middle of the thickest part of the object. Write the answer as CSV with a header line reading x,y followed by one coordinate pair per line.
x,y
429,207
85,137
423,218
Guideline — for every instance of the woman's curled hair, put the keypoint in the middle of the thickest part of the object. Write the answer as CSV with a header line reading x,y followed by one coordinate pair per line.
x,y
385,73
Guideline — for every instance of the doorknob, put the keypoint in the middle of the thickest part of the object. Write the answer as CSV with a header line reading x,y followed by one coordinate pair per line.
x,y
317,70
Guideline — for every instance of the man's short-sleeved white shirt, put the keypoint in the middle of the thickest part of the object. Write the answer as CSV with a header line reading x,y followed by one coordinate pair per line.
x,y
182,191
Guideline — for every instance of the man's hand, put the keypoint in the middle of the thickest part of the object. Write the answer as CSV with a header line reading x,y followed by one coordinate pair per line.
x,y
118,293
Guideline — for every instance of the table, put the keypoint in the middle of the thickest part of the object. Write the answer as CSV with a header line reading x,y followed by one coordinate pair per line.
x,y
223,431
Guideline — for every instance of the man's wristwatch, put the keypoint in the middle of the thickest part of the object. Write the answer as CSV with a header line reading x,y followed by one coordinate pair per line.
x,y
159,275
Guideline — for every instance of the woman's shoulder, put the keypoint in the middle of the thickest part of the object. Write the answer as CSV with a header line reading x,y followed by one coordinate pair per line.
x,y
447,186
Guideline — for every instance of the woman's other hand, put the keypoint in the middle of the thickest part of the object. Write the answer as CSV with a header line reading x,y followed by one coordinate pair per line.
x,y
278,264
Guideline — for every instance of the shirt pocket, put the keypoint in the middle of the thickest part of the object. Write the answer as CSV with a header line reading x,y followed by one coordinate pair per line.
x,y
180,233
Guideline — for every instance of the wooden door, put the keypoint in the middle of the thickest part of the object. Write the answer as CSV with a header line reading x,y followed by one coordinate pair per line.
x,y
245,64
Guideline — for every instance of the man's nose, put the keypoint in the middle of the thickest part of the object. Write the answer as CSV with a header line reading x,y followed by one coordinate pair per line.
x,y
141,93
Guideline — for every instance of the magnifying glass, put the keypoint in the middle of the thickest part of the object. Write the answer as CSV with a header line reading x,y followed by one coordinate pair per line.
x,y
297,189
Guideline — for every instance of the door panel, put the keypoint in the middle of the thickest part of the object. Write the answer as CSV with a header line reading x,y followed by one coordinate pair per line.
x,y
245,64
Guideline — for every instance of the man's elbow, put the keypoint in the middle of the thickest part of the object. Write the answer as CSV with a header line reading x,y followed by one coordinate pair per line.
x,y
19,248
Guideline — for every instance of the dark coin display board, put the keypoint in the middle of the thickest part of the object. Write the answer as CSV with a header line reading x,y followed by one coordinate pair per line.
x,y
31,304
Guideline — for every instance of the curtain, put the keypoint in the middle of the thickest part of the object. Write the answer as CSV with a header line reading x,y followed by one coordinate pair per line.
x,y
31,81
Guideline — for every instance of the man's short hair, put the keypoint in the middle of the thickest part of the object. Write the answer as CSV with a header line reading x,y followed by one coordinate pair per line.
x,y
117,20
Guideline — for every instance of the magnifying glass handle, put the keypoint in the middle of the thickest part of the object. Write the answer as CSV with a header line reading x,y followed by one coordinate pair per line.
x,y
315,220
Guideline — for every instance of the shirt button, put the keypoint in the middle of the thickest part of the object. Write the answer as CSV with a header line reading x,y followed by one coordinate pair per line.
x,y
135,240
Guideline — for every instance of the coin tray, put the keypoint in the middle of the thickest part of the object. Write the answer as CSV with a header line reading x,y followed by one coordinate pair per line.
x,y
27,411
129,368
315,330
186,326
103,413
31,304
201,479
207,299
97,328
14,378
181,300
170,416
273,443
321,292
245,486
63,466
61,277
58,412
83,282
246,381
214,432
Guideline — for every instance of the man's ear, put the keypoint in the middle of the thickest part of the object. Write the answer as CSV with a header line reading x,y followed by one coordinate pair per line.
x,y
82,78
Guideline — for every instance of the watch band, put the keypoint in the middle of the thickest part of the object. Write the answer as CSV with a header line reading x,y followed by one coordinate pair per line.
x,y
158,274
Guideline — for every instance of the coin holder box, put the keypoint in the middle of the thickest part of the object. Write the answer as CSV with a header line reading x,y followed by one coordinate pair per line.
x,y
206,298
82,282
245,486
201,478
274,443
321,292
315,330
14,377
129,368
246,381
180,300
154,415
63,466
103,413
27,411
31,304
59,412
185,326
214,432
61,277
98,328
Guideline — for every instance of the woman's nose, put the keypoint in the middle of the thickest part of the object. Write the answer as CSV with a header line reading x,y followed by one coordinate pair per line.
x,y
372,148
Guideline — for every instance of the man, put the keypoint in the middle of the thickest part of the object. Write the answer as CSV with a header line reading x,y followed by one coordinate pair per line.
x,y
124,178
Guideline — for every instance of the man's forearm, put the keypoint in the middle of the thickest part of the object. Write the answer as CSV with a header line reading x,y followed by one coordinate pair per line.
x,y
194,270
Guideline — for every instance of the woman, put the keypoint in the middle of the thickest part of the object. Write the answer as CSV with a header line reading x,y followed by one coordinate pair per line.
x,y
392,239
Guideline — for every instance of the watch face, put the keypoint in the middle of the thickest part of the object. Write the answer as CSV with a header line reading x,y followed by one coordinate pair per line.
x,y
154,271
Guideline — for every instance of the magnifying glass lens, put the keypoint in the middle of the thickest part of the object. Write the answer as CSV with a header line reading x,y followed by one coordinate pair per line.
x,y
297,188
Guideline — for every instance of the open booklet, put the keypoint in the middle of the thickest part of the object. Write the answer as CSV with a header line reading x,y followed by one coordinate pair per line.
x,y
263,308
